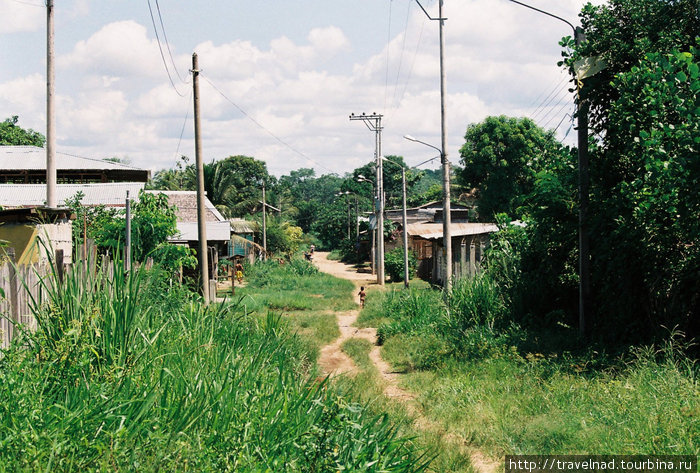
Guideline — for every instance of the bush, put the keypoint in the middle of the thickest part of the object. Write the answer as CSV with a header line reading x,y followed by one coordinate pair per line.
x,y
394,265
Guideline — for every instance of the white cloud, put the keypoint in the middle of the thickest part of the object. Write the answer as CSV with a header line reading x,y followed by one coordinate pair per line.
x,y
19,17
118,49
115,97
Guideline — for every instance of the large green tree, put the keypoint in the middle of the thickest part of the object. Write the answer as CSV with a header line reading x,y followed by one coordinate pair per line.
x,y
644,172
501,158
13,134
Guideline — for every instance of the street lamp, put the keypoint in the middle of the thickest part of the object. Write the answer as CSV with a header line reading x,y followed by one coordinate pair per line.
x,y
443,149
446,213
584,272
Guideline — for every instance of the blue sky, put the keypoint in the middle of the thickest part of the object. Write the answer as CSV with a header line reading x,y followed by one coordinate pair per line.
x,y
296,69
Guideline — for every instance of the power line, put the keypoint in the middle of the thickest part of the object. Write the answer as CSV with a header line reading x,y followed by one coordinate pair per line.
x,y
403,48
167,44
388,50
184,123
28,3
261,126
160,48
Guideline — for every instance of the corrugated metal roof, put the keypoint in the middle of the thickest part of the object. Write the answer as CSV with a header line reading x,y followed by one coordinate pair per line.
x,y
216,231
112,194
13,158
433,231
186,203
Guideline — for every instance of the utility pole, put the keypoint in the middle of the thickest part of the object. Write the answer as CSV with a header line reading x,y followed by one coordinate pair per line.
x,y
446,211
584,314
203,252
51,200
374,123
264,222
127,248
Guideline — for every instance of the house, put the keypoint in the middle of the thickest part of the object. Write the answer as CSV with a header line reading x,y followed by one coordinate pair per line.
x,y
27,165
469,240
425,238
217,227
34,234
243,231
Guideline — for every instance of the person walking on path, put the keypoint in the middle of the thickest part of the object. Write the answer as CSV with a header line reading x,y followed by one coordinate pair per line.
x,y
362,295
239,271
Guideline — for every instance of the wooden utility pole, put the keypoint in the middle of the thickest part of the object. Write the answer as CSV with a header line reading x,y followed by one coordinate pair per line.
x,y
51,200
203,252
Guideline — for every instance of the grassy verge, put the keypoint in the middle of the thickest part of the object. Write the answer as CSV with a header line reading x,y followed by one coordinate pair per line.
x,y
130,374
368,386
491,385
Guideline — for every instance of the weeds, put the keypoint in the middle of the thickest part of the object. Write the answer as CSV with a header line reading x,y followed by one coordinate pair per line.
x,y
123,375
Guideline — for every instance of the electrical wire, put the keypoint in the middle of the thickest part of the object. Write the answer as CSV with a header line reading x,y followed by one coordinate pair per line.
x,y
184,123
261,126
160,47
403,49
30,4
554,90
388,44
167,44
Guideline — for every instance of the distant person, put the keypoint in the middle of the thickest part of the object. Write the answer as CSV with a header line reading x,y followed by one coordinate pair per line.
x,y
312,248
362,295
239,271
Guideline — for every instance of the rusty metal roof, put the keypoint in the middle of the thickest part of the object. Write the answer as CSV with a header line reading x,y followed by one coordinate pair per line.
x,y
433,231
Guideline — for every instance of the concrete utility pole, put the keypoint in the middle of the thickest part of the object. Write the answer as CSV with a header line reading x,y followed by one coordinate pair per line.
x,y
51,200
447,215
446,211
374,123
264,222
127,247
584,239
203,251
585,316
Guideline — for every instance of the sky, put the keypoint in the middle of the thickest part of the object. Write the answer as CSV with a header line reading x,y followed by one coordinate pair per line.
x,y
279,79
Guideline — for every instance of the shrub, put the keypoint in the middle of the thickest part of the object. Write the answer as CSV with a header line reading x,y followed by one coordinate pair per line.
x,y
394,264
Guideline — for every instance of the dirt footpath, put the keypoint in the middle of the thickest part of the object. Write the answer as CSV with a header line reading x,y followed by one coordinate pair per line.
x,y
334,361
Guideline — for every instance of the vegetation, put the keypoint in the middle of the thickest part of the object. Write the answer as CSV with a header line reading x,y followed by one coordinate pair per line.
x,y
13,134
125,375
153,221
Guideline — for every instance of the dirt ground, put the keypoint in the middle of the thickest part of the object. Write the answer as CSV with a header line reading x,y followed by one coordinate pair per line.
x,y
334,361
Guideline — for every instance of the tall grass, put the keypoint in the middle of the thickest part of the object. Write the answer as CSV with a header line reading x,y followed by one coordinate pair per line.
x,y
126,373
486,379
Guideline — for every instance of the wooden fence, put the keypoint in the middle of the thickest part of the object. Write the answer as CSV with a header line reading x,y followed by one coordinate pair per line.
x,y
20,285
23,284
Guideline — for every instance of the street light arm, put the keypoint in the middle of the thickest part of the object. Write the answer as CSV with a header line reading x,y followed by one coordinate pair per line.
x,y
427,14
546,13
410,138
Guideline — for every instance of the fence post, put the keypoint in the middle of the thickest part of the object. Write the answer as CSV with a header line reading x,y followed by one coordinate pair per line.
x,y
14,303
59,265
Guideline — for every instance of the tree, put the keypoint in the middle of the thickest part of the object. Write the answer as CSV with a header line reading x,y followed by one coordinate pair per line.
x,y
644,172
501,157
153,221
391,179
12,134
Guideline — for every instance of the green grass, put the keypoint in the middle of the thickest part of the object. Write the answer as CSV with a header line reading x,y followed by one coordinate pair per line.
x,y
473,374
130,374
368,386
516,407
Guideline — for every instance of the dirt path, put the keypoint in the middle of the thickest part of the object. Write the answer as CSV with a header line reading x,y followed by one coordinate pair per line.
x,y
334,361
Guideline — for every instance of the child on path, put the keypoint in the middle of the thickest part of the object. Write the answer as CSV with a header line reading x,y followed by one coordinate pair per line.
x,y
239,272
362,295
